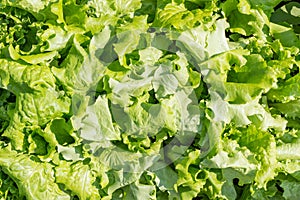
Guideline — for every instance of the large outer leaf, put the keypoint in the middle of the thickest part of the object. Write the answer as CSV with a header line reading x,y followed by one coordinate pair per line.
x,y
77,178
35,180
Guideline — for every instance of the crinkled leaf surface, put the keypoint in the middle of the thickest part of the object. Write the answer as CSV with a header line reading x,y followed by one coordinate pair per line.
x,y
145,99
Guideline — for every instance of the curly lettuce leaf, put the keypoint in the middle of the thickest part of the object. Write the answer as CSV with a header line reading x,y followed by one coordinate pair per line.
x,y
35,180
77,178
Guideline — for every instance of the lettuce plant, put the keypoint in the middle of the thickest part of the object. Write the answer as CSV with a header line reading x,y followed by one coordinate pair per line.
x,y
145,99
